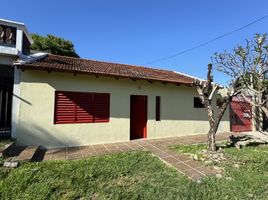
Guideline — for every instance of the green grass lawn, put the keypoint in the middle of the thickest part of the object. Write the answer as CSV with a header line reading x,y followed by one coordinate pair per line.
x,y
134,175
245,172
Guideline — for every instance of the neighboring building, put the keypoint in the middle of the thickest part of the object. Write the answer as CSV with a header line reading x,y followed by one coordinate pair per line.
x,y
62,101
15,42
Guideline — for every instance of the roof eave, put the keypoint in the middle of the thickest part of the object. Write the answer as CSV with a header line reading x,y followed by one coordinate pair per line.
x,y
34,67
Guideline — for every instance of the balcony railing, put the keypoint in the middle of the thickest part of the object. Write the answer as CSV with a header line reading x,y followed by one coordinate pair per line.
x,y
7,36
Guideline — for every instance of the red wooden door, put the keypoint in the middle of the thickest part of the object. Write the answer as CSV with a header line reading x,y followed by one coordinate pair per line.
x,y
240,116
138,116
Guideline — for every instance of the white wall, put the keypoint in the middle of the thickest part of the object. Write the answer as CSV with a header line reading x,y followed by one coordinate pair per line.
x,y
6,60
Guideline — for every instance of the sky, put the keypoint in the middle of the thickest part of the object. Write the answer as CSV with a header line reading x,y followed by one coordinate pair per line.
x,y
140,31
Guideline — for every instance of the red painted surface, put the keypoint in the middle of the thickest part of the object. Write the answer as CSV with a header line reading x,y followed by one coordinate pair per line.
x,y
81,107
240,115
138,116
157,108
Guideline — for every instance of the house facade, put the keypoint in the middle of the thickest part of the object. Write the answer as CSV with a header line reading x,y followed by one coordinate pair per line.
x,y
61,101
131,104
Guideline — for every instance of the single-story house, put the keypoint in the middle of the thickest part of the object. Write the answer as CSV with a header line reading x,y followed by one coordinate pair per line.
x,y
69,102
58,101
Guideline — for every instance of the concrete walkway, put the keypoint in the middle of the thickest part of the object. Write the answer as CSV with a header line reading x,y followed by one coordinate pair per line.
x,y
159,147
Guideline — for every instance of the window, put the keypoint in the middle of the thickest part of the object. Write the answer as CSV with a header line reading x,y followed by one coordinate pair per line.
x,y
81,107
198,103
8,36
157,108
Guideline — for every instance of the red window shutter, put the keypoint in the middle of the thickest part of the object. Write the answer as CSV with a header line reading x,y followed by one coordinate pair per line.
x,y
64,108
101,107
81,107
157,108
84,107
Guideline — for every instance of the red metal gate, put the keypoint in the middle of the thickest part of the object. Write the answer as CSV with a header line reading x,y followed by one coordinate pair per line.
x,y
138,117
240,115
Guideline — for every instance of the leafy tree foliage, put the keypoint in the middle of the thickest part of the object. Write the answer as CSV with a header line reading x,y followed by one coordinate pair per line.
x,y
54,45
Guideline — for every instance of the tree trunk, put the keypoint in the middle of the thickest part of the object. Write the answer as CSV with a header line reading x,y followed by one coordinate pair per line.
x,y
214,123
213,127
212,139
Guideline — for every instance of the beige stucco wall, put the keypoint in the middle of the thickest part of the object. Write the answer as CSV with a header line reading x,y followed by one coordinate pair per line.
x,y
35,126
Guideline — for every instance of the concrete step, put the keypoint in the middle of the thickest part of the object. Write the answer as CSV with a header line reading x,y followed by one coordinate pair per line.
x,y
26,154
17,154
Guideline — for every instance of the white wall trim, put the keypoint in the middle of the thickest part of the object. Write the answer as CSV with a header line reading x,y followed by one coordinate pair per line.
x,y
19,40
15,101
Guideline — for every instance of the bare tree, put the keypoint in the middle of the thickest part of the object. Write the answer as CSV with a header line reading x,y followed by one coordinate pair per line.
x,y
250,64
246,68
207,91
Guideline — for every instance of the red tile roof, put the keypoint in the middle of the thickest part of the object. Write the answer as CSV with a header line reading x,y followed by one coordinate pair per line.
x,y
77,65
